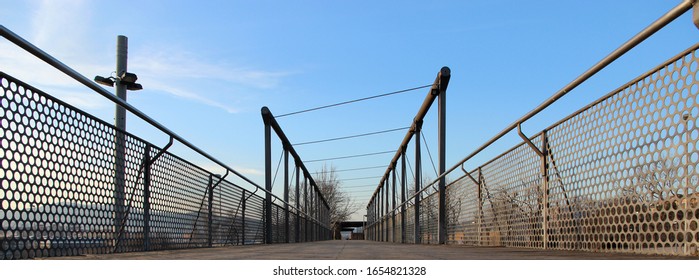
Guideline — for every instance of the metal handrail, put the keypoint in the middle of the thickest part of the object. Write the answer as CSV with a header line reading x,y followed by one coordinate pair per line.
x,y
668,17
38,53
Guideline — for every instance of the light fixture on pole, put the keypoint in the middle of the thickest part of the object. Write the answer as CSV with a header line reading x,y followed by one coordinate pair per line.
x,y
122,82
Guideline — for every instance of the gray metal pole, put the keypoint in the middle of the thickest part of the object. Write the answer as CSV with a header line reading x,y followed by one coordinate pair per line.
x,y
402,197
146,197
442,123
286,196
268,183
298,206
242,220
418,183
393,206
210,211
120,138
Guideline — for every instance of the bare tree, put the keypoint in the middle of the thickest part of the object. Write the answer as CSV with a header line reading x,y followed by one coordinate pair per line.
x,y
340,202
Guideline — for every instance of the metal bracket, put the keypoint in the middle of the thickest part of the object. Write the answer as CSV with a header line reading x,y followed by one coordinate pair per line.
x,y
695,13
477,182
220,179
529,142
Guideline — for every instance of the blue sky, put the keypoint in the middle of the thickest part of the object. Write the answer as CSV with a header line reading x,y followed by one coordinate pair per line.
x,y
207,67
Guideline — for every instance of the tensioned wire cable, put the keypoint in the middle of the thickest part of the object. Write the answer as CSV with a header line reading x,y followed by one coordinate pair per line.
x,y
352,156
353,101
351,136
352,169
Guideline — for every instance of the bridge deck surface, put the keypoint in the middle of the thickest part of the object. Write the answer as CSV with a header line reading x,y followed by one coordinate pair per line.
x,y
366,250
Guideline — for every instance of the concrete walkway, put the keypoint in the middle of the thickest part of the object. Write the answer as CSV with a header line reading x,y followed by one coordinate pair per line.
x,y
366,250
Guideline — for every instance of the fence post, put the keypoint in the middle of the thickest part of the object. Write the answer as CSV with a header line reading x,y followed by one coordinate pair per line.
x,y
268,183
146,197
298,205
287,230
210,219
418,183
545,185
445,75
393,206
480,205
402,197
242,231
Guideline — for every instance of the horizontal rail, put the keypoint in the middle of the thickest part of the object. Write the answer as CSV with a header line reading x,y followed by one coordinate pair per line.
x,y
29,47
644,34
269,118
670,16
442,80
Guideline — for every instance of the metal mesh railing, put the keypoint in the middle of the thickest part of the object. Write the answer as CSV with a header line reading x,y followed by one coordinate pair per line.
x,y
58,193
621,176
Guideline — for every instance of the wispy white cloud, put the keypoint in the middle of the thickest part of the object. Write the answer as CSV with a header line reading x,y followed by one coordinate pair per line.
x,y
185,75
62,29
59,28
182,92
184,64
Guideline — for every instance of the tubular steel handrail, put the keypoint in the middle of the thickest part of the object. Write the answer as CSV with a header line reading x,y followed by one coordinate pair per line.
x,y
544,153
673,14
37,52
271,123
668,17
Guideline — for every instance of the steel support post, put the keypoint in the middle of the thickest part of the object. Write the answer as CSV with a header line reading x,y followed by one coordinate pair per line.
x,y
389,226
287,230
403,189
305,210
210,211
480,205
418,181
381,213
393,206
242,220
120,140
545,186
298,206
146,197
442,124
268,183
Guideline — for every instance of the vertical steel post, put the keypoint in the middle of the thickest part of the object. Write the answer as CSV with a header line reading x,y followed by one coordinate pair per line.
x,y
268,183
418,181
286,197
402,197
120,141
242,222
298,206
146,197
393,206
209,220
480,205
389,226
305,210
442,124
384,211
545,186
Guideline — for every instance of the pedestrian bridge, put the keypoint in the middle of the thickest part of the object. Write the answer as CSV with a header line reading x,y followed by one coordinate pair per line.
x,y
367,250
616,179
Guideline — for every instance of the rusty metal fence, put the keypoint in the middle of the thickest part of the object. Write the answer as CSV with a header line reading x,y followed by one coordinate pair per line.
x,y
619,175
59,194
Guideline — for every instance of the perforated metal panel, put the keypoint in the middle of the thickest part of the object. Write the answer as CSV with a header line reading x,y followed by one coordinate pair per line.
x,y
58,195
621,175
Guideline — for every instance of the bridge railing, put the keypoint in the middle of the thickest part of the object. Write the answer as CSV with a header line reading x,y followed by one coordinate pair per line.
x,y
306,212
618,175
57,183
